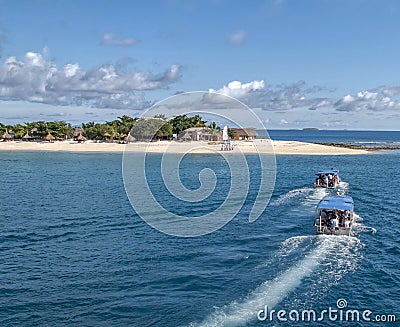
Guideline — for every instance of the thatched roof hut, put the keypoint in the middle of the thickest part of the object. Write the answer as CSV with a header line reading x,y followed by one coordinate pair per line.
x,y
77,131
186,137
129,139
6,136
244,133
80,138
26,137
49,138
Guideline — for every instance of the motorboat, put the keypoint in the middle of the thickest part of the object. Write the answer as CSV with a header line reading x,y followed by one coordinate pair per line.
x,y
327,178
335,215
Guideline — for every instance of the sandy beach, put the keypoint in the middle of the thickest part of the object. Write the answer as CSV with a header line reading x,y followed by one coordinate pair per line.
x,y
261,146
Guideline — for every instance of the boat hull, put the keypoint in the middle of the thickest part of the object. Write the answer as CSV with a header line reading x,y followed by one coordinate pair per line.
x,y
346,231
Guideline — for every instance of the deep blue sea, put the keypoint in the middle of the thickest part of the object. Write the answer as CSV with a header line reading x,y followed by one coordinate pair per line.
x,y
333,135
74,253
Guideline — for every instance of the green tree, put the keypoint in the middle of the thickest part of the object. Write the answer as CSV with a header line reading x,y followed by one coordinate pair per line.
x,y
213,126
148,129
231,133
197,121
18,130
126,124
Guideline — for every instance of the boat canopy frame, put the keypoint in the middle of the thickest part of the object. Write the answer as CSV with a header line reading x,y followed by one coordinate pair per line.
x,y
332,202
328,171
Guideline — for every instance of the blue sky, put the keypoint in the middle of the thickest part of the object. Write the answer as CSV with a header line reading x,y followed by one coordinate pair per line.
x,y
316,63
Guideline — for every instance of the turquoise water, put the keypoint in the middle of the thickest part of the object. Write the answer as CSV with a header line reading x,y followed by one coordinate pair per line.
x,y
73,252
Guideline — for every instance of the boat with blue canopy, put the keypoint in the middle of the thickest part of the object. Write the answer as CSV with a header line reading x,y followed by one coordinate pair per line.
x,y
335,215
327,178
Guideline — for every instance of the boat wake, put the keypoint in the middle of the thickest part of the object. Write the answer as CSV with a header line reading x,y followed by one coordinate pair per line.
x,y
311,196
290,195
323,262
359,227
316,194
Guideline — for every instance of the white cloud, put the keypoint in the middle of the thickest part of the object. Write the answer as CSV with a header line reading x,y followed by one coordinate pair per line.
x,y
111,39
34,79
280,98
384,98
391,90
238,89
237,38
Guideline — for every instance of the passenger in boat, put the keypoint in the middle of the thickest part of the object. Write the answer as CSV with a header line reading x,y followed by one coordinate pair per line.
x,y
326,180
334,223
328,219
347,223
341,218
330,180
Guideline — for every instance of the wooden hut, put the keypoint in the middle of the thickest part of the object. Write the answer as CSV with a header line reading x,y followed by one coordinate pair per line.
x,y
77,131
129,139
80,138
244,133
200,134
49,138
6,137
26,137
185,137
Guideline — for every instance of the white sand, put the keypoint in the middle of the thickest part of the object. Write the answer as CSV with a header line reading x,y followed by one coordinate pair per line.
x,y
261,146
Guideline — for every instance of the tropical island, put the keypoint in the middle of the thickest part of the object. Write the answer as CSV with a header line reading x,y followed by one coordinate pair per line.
x,y
156,134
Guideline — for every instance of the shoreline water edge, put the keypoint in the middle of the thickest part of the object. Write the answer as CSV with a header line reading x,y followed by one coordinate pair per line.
x,y
261,146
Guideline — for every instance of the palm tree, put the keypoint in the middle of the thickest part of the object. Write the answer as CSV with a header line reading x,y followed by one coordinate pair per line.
x,y
197,121
231,133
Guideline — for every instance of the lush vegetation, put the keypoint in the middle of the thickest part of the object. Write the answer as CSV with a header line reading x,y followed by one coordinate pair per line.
x,y
39,129
159,128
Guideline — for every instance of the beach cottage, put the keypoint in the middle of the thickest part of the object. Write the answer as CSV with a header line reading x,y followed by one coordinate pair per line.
x,y
244,133
200,134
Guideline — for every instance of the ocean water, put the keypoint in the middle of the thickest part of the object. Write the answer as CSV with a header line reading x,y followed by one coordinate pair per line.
x,y
339,136
74,253
367,139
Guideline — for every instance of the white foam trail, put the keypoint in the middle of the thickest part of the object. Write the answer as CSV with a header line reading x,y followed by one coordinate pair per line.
x,y
272,292
290,195
287,247
315,196
291,244
319,193
358,226
342,188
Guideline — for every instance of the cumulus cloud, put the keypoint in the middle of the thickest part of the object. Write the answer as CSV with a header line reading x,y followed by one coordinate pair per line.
x,y
384,98
237,38
35,79
257,94
111,39
238,89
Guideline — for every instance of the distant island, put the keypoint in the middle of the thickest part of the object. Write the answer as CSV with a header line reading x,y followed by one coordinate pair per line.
x,y
310,129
